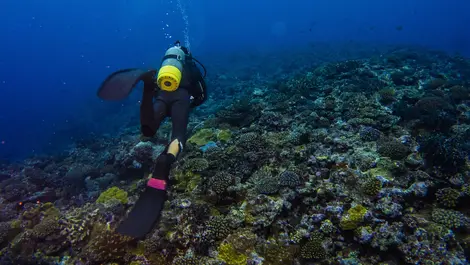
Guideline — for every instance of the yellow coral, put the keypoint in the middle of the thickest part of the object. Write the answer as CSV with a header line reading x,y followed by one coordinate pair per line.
x,y
224,135
249,218
186,181
15,224
354,216
228,254
202,137
193,182
113,193
384,168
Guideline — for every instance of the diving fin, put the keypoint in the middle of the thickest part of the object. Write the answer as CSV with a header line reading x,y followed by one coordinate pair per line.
x,y
146,211
119,84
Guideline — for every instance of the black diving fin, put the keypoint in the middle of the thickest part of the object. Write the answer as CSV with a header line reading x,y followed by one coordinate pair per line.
x,y
146,211
119,84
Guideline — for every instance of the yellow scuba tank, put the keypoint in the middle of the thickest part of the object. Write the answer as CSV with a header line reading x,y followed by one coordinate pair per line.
x,y
170,73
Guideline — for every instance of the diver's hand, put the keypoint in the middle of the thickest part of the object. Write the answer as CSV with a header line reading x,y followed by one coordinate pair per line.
x,y
196,101
148,76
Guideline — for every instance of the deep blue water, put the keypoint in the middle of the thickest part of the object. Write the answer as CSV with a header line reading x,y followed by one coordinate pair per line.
x,y
54,54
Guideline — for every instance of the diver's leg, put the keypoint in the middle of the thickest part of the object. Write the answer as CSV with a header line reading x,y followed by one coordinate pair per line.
x,y
179,110
151,115
146,111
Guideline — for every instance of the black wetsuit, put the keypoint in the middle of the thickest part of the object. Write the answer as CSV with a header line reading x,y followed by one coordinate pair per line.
x,y
158,104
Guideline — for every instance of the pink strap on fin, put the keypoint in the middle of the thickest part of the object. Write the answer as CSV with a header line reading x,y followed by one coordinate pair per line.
x,y
158,184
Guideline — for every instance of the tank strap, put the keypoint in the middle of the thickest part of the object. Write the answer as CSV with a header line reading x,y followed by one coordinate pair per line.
x,y
170,56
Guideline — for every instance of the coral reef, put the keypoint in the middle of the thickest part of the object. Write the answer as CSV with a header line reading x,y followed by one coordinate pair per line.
x,y
353,161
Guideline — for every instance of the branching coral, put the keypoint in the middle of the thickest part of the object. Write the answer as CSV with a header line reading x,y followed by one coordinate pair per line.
x,y
196,164
242,240
313,249
105,245
277,253
265,182
45,228
217,228
289,179
448,218
448,197
372,186
388,235
77,224
392,148
220,182
250,141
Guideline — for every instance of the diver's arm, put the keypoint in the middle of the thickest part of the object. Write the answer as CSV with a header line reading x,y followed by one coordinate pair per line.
x,y
149,87
198,86
148,77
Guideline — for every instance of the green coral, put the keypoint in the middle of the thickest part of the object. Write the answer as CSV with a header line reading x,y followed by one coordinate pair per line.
x,y
220,182
202,137
230,256
186,261
313,249
243,240
448,218
384,168
49,210
264,182
298,235
327,227
15,224
224,135
353,218
46,227
218,228
393,148
437,231
387,95
186,180
34,215
277,139
78,223
196,164
364,232
466,190
277,253
372,186
113,193
251,141
448,197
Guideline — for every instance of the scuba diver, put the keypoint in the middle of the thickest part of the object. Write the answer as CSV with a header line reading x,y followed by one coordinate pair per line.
x,y
177,87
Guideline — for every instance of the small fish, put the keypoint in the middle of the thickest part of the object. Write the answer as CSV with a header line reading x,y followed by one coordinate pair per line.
x,y
399,28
